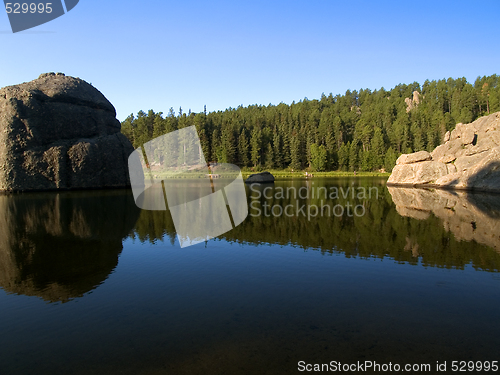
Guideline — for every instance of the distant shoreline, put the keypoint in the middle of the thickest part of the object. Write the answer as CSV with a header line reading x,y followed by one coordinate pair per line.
x,y
285,173
280,174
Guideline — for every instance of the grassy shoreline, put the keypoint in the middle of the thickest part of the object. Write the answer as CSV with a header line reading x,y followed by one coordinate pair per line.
x,y
285,173
278,174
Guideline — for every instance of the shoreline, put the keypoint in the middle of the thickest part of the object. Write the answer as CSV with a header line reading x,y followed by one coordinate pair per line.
x,y
285,174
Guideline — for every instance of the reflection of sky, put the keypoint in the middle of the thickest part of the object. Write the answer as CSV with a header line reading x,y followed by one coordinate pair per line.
x,y
163,302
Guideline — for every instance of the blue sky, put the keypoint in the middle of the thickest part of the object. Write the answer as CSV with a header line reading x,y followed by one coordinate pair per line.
x,y
162,54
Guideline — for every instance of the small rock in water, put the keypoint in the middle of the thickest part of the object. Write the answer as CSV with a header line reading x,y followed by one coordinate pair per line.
x,y
262,177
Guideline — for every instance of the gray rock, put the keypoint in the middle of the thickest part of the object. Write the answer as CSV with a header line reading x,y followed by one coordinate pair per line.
x,y
468,136
430,171
417,173
485,174
59,132
451,168
402,174
464,163
469,160
412,102
485,145
414,158
448,152
446,136
450,180
455,134
261,177
493,135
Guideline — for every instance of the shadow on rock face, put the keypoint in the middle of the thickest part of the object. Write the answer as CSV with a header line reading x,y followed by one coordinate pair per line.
x,y
59,133
58,246
469,216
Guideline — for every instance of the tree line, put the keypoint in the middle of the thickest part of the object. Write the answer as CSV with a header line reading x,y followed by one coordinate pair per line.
x,y
361,130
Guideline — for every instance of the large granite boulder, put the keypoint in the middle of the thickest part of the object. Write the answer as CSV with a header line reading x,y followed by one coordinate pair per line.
x,y
59,132
259,178
469,159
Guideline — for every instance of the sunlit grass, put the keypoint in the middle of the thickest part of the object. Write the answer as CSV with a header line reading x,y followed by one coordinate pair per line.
x,y
289,173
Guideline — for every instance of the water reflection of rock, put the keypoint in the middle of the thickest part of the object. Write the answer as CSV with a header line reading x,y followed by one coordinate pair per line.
x,y
58,246
468,216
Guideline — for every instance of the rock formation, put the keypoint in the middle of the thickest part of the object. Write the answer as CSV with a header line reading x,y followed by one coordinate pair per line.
x,y
468,216
469,159
260,178
60,132
412,102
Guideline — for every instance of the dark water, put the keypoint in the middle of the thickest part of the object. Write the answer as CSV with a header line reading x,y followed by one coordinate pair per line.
x,y
93,285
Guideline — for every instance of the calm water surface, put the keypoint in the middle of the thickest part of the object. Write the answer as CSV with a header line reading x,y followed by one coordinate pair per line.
x,y
93,285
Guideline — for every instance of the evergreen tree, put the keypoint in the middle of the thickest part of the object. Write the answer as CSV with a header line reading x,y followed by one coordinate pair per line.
x,y
216,151
256,144
343,157
295,152
127,128
269,164
158,125
390,159
377,148
277,150
353,156
243,147
140,129
228,146
401,132
318,157
366,161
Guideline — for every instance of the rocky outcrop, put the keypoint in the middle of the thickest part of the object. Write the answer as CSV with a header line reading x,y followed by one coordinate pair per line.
x,y
260,178
60,132
468,216
412,102
469,159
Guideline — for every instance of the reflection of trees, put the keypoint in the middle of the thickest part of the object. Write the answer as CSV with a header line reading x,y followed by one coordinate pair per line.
x,y
61,245
381,232
154,226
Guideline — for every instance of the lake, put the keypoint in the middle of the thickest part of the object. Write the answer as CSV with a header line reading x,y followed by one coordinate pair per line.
x,y
323,271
